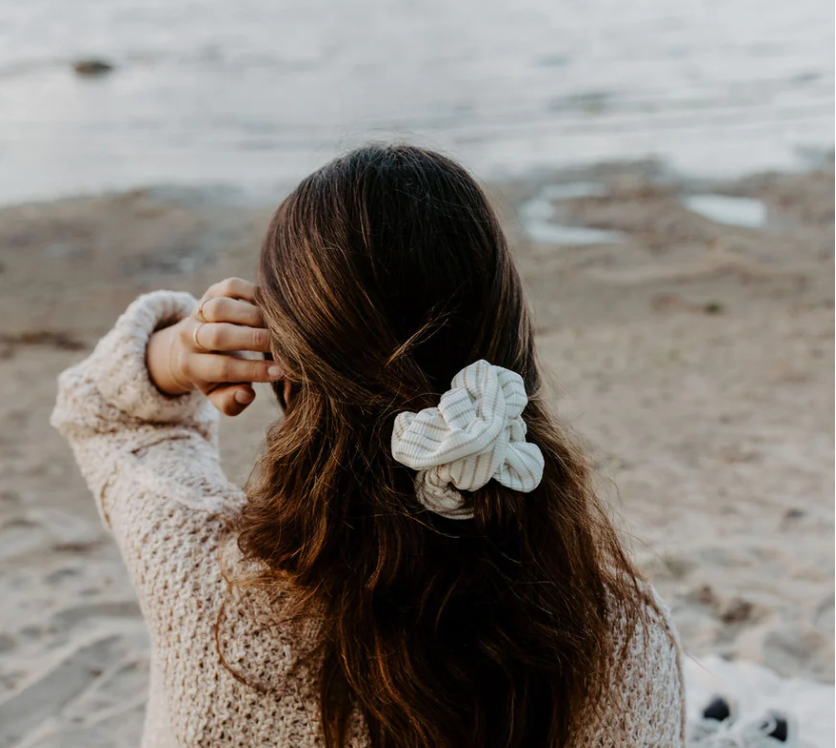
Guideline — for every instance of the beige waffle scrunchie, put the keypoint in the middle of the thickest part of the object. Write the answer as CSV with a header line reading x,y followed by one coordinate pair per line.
x,y
474,435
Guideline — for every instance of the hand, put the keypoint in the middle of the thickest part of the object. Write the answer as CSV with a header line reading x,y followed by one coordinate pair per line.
x,y
200,355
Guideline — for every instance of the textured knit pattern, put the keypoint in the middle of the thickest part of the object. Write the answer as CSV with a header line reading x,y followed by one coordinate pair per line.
x,y
474,435
152,464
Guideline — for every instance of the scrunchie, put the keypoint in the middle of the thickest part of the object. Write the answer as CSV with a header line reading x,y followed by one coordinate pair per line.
x,y
475,434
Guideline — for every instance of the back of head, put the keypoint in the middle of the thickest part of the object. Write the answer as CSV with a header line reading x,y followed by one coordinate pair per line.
x,y
383,275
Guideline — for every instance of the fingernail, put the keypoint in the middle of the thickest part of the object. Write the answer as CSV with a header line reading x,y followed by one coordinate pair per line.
x,y
244,396
275,371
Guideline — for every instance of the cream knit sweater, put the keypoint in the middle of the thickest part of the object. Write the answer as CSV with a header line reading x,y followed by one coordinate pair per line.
x,y
152,464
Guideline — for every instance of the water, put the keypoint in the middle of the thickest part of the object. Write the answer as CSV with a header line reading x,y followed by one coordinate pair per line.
x,y
256,93
733,211
536,217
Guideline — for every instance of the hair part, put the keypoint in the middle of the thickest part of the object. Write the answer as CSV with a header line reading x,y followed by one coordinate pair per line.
x,y
382,275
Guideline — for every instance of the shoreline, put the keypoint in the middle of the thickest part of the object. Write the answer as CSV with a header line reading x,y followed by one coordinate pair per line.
x,y
265,194
693,359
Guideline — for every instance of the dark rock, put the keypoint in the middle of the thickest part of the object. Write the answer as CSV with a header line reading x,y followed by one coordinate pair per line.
x,y
92,67
736,610
714,307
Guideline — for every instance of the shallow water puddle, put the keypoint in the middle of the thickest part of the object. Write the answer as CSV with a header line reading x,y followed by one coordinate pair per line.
x,y
544,232
535,216
732,211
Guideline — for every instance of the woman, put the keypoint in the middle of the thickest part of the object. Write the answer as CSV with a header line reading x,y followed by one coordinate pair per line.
x,y
420,560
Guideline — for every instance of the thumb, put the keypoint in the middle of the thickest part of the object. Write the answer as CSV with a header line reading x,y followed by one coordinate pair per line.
x,y
232,399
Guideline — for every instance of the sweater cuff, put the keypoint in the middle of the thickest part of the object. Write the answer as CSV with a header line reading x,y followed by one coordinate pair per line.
x,y
122,376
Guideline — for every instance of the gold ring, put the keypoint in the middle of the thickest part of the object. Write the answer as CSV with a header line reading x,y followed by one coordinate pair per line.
x,y
198,313
197,344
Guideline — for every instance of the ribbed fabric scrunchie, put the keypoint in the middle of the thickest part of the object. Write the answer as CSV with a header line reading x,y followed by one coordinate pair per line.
x,y
475,434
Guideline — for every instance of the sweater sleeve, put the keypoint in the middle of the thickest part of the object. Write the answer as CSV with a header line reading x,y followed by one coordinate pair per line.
x,y
152,463
124,430
150,460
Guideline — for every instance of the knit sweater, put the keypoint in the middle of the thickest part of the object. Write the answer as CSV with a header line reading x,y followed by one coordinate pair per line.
x,y
152,464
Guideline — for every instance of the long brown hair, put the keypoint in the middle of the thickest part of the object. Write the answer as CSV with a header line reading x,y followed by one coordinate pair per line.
x,y
382,275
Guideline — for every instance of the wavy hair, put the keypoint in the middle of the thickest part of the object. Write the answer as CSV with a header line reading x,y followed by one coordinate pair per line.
x,y
382,275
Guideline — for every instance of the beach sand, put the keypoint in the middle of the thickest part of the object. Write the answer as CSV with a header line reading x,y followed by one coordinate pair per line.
x,y
693,358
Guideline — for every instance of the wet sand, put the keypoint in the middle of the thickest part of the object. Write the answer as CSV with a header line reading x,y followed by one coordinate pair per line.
x,y
694,358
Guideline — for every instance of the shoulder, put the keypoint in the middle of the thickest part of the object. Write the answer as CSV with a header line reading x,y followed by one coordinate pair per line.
x,y
652,683
646,706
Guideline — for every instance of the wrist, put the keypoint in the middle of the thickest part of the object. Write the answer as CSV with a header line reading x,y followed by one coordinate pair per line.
x,y
162,358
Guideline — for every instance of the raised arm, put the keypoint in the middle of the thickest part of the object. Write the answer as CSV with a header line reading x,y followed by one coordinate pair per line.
x,y
110,411
152,463
113,406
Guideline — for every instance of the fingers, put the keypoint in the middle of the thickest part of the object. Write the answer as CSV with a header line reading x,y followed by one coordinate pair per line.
x,y
226,309
209,369
228,337
234,288
227,320
232,400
